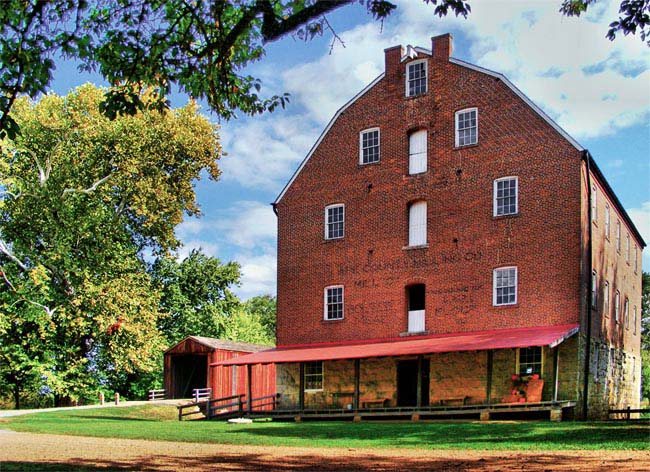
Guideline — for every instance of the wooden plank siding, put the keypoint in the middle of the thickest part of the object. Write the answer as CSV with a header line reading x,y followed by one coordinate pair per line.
x,y
224,381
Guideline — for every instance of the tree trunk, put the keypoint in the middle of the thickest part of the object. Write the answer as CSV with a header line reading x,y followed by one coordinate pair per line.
x,y
16,396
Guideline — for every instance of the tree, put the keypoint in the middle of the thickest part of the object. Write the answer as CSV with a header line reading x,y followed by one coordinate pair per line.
x,y
202,47
196,294
82,199
264,307
645,336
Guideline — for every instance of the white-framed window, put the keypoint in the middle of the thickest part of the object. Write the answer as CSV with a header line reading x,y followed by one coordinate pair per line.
x,y
504,282
594,290
506,196
636,259
618,235
626,313
418,152
607,218
418,223
617,307
333,303
606,299
369,146
335,221
313,376
594,203
416,78
530,361
635,321
466,127
627,247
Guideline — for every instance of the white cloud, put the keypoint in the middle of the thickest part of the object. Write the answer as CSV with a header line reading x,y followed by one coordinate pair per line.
x,y
250,225
258,276
206,247
262,151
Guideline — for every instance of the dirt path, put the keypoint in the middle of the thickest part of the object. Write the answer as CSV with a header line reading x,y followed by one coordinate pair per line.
x,y
53,452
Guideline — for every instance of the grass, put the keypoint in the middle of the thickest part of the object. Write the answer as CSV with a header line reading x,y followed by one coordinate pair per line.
x,y
160,423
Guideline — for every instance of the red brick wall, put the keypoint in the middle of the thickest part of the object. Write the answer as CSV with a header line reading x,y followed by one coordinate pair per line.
x,y
465,241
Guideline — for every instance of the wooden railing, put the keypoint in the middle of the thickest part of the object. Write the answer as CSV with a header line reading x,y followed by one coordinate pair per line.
x,y
234,405
201,394
627,413
159,394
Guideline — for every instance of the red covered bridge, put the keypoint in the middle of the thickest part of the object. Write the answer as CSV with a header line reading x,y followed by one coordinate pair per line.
x,y
187,367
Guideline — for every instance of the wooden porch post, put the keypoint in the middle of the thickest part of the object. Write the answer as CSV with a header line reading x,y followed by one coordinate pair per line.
x,y
556,371
301,392
249,371
357,374
418,402
488,387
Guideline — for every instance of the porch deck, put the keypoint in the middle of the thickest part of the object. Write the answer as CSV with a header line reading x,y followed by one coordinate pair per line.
x,y
479,411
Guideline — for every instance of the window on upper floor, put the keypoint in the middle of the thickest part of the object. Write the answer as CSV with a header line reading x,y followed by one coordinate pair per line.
x,y
333,302
369,146
313,375
418,223
635,320
594,203
617,307
627,247
618,235
636,259
335,221
530,361
626,313
505,200
606,299
504,282
416,308
466,127
607,217
594,290
416,78
418,152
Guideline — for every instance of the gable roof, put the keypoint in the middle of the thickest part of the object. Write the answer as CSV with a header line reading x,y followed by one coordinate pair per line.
x,y
224,344
458,62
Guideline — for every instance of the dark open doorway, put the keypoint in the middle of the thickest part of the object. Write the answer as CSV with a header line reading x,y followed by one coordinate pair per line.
x,y
188,372
407,383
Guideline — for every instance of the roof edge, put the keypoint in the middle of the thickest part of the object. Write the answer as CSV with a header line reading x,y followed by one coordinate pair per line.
x,y
601,178
324,132
523,96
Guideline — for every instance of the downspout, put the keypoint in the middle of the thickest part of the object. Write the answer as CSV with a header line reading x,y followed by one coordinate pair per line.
x,y
585,392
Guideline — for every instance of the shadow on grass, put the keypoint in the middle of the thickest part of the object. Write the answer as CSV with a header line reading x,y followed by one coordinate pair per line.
x,y
467,435
341,463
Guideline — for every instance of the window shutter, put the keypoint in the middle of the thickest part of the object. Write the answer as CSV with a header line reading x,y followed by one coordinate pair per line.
x,y
418,224
418,152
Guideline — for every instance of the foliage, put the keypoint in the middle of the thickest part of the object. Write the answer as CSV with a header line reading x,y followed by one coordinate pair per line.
x,y
645,336
81,200
196,294
265,308
247,327
152,423
202,47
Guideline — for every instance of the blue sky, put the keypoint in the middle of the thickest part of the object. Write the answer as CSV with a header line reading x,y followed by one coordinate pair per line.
x,y
597,90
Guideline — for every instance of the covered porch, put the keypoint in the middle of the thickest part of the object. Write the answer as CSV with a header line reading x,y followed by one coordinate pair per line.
x,y
461,375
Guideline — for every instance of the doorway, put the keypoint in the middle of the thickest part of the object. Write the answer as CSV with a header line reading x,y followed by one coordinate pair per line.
x,y
188,372
407,383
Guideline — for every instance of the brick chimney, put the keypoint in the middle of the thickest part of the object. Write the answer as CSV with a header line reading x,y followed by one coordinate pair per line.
x,y
442,46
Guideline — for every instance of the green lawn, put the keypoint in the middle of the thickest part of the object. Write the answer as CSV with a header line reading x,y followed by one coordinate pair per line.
x,y
159,423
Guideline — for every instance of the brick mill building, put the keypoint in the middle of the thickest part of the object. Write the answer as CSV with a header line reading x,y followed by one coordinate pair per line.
x,y
445,246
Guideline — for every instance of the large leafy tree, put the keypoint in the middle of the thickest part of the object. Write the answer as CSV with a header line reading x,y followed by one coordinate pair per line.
x,y
264,307
645,336
200,46
82,200
196,293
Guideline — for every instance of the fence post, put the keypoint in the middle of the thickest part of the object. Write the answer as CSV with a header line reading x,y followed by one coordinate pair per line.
x,y
117,398
629,413
101,398
239,404
180,413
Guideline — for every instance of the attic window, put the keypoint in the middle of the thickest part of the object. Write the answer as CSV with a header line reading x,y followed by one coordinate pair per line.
x,y
416,78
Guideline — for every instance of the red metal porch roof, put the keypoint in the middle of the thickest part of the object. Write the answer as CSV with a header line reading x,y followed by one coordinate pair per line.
x,y
471,341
